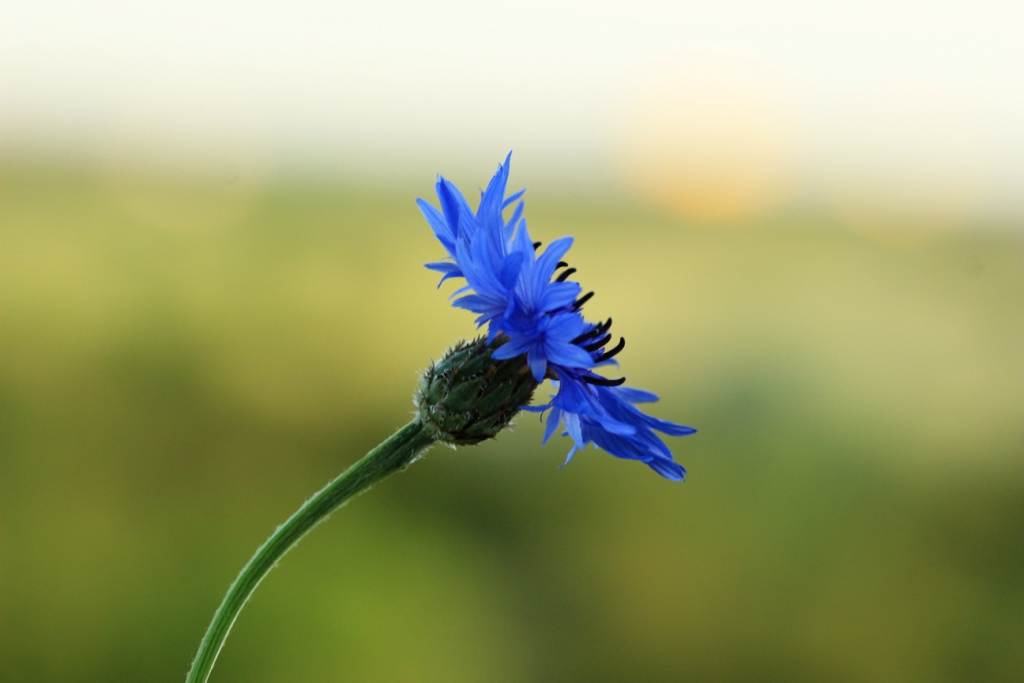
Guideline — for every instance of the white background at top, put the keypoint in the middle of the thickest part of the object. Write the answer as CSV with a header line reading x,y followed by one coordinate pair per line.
x,y
406,87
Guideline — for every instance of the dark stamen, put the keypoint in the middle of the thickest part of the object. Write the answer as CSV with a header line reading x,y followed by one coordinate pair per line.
x,y
565,273
611,354
561,264
594,346
603,382
585,336
582,300
593,332
536,245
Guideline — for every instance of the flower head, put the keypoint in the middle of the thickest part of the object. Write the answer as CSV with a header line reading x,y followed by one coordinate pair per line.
x,y
535,315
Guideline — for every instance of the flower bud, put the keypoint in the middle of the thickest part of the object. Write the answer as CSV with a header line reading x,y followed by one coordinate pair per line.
x,y
468,396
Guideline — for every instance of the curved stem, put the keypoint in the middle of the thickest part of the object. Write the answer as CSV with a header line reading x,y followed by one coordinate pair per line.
x,y
400,449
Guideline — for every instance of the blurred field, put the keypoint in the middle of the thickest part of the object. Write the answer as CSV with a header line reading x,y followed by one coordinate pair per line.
x,y
184,360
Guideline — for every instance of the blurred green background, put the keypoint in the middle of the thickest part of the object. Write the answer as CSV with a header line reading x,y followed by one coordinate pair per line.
x,y
806,218
184,359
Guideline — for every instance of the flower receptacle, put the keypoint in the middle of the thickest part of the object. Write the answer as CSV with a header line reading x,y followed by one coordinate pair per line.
x,y
468,396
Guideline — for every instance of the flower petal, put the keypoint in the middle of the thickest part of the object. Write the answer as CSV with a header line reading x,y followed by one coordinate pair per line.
x,y
538,364
439,225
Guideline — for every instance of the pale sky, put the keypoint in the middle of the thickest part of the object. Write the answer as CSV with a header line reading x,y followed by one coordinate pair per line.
x,y
910,98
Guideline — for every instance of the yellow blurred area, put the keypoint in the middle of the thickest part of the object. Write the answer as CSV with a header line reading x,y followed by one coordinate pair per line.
x,y
721,137
185,358
712,139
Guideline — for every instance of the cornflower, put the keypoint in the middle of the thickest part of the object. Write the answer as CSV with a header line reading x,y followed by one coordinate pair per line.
x,y
531,312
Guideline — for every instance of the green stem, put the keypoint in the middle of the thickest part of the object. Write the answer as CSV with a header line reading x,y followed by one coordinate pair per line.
x,y
400,449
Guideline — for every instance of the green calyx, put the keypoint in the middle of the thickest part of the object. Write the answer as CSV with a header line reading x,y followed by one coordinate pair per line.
x,y
468,396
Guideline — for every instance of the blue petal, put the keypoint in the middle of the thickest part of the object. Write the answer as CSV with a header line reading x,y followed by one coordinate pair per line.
x,y
475,303
552,255
457,204
636,395
558,295
569,355
522,243
511,349
509,230
552,424
449,204
568,457
575,429
443,266
510,270
486,262
489,211
538,364
613,426
668,469
449,270
670,428
439,225
573,396
513,197
566,326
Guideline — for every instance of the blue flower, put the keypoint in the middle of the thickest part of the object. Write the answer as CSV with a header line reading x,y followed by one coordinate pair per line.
x,y
514,291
